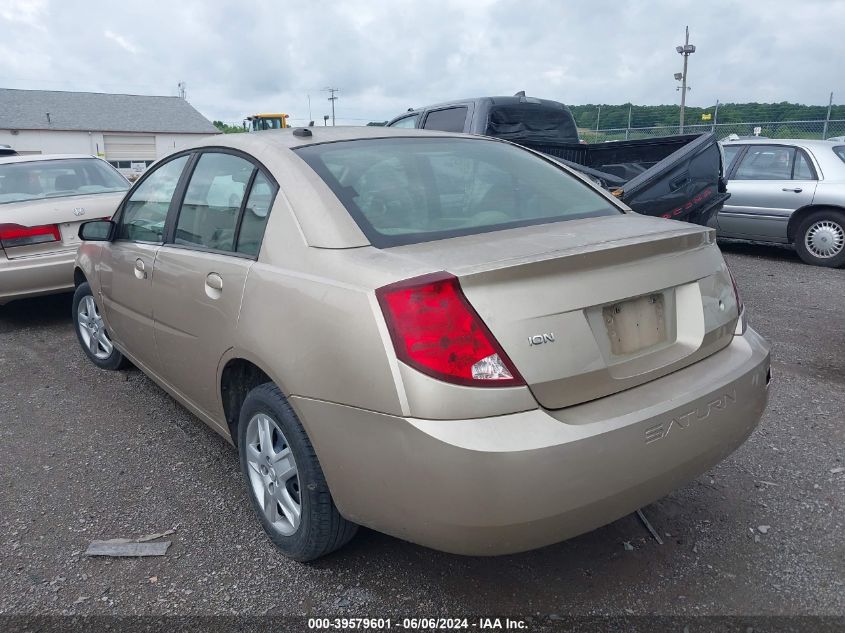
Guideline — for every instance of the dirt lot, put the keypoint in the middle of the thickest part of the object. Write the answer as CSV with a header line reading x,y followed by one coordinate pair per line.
x,y
88,454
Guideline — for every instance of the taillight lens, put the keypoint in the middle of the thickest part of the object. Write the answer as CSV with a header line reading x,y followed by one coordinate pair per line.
x,y
436,331
16,235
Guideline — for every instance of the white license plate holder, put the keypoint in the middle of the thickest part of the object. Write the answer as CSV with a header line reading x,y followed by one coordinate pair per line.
x,y
636,324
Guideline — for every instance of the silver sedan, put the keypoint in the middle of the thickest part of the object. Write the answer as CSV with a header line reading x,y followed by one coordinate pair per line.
x,y
787,191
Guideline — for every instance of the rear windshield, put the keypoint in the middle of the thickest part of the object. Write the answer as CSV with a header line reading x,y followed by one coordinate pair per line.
x,y
840,151
57,178
409,190
532,122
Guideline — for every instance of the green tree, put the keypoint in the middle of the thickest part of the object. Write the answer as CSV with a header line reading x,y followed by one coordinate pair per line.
x,y
226,128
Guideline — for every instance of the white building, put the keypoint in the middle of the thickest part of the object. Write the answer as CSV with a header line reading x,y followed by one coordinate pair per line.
x,y
129,131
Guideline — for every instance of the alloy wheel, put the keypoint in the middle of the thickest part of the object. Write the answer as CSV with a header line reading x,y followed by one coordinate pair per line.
x,y
273,474
92,329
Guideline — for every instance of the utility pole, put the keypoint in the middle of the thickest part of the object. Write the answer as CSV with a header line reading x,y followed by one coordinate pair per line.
x,y
332,98
827,118
628,129
686,50
309,106
716,116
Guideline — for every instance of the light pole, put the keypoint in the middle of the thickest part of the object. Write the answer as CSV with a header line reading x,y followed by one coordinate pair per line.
x,y
686,50
598,119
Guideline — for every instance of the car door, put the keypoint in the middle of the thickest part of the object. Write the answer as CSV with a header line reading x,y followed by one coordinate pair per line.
x,y
200,271
126,266
767,183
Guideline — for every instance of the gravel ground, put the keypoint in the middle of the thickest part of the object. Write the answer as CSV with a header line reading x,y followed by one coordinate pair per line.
x,y
88,454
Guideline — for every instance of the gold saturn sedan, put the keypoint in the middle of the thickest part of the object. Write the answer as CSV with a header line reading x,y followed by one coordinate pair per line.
x,y
446,338
43,200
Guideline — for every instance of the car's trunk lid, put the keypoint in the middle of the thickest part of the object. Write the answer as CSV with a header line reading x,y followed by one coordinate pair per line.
x,y
66,212
587,308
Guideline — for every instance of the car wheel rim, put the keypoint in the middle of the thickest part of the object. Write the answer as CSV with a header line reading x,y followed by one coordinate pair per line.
x,y
825,239
92,329
273,474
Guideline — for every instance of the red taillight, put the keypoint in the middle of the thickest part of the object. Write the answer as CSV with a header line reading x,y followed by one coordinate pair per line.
x,y
16,235
436,331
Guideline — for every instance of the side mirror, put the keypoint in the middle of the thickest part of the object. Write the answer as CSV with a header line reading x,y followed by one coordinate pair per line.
x,y
96,231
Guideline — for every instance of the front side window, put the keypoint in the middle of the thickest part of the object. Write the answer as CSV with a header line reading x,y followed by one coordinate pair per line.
x,y
209,212
409,190
448,120
34,180
766,162
145,212
407,122
840,151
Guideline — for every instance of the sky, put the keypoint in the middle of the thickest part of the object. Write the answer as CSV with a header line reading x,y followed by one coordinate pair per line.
x,y
242,57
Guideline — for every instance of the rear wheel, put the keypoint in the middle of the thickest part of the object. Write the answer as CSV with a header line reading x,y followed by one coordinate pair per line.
x,y
92,333
286,484
820,239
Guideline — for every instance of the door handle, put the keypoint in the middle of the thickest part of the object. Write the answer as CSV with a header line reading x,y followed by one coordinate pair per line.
x,y
679,182
795,190
214,281
140,269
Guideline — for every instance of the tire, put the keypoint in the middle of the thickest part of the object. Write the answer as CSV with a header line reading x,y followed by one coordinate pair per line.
x,y
820,238
89,327
266,468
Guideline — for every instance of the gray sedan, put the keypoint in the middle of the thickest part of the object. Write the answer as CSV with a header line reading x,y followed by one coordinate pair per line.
x,y
787,191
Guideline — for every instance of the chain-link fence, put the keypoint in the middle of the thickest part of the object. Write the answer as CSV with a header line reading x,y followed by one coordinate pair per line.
x,y
767,129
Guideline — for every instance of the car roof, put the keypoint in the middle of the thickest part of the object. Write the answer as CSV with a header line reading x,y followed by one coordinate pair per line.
x,y
31,158
813,143
288,139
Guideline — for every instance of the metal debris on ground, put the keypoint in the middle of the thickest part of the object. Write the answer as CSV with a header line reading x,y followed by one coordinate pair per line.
x,y
123,547
141,546
649,527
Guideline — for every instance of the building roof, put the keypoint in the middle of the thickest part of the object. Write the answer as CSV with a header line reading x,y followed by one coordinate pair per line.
x,y
99,112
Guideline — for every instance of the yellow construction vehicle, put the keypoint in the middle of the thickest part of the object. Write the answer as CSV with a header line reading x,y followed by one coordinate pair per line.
x,y
258,122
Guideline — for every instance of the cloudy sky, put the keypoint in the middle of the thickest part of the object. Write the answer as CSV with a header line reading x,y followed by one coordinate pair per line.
x,y
240,57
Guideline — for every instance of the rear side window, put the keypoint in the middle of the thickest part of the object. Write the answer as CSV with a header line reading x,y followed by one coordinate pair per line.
x,y
255,216
731,152
803,170
766,162
840,151
34,180
409,190
448,120
209,212
145,212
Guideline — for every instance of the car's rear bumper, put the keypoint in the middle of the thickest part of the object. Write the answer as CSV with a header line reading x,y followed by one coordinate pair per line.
x,y
515,482
35,275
